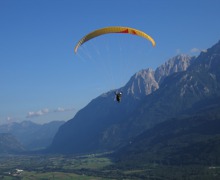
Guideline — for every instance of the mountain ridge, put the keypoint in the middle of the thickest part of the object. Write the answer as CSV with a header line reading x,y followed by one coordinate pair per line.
x,y
190,133
97,126
31,135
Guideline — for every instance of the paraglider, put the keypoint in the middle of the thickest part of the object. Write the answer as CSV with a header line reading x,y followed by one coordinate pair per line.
x,y
118,96
113,29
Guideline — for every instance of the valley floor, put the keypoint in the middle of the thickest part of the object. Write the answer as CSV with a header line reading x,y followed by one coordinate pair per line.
x,y
94,166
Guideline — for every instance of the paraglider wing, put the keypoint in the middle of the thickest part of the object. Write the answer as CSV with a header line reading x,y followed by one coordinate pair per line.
x,y
113,29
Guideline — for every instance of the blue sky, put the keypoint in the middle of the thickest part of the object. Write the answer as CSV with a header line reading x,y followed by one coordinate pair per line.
x,y
41,79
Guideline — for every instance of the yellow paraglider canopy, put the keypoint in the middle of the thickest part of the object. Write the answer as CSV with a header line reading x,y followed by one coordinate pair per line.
x,y
114,29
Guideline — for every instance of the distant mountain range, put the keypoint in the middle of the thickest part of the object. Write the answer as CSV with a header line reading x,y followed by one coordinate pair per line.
x,y
30,135
9,144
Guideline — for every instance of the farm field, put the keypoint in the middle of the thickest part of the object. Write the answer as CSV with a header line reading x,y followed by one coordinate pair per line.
x,y
94,166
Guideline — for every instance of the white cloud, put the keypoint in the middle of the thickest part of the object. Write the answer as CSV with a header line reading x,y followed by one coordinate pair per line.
x,y
32,114
197,50
45,111
10,119
61,109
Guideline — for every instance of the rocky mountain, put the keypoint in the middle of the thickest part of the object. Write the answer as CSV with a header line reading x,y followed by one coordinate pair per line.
x,y
182,118
181,91
31,135
176,64
141,84
9,144
147,81
105,125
